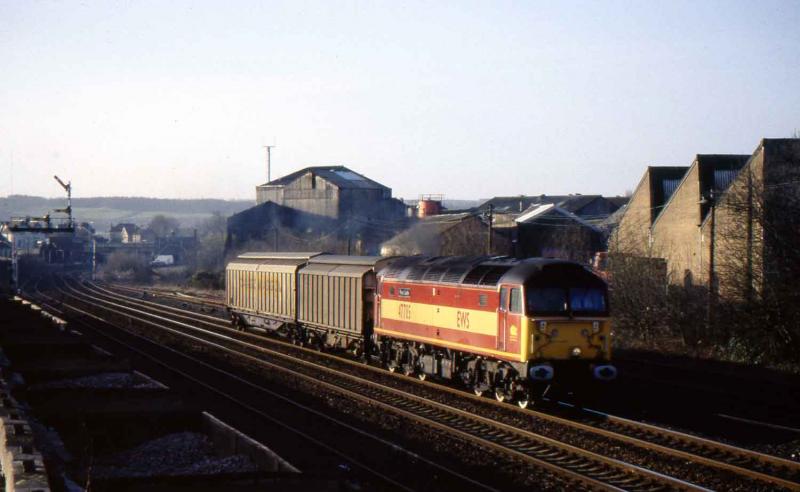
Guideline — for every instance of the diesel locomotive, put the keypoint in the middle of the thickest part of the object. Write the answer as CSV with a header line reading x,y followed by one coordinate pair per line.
x,y
506,326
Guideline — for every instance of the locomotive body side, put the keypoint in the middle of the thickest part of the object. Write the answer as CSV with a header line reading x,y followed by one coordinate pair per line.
x,y
449,316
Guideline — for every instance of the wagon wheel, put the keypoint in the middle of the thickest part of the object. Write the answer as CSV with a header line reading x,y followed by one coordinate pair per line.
x,y
422,376
407,370
478,391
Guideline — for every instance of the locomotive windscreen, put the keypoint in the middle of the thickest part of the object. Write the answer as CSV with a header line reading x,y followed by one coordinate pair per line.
x,y
566,289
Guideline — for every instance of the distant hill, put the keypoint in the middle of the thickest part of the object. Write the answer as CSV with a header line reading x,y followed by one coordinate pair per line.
x,y
105,211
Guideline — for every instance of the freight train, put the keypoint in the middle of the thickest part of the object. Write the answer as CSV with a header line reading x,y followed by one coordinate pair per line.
x,y
505,326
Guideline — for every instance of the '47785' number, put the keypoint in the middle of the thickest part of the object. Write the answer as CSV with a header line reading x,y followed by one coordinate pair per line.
x,y
404,311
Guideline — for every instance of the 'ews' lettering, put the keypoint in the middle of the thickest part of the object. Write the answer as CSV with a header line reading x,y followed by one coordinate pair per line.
x,y
462,320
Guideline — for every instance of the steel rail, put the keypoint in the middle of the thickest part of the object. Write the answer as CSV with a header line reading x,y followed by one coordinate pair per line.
x,y
742,461
569,461
282,397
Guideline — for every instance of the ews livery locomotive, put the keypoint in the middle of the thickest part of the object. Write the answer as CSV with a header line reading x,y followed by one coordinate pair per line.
x,y
506,326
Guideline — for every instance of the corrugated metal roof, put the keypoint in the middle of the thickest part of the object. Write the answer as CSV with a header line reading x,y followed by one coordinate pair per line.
x,y
269,255
340,176
346,260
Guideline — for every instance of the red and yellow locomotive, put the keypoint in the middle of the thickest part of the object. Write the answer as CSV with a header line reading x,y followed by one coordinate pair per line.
x,y
506,326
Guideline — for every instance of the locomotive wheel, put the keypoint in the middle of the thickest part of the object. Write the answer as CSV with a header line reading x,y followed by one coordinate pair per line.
x,y
391,368
407,371
523,402
499,395
478,391
422,376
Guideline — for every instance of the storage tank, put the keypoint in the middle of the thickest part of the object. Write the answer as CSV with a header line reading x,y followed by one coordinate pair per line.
x,y
429,205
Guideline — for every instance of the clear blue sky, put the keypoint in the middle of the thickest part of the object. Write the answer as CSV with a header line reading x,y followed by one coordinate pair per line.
x,y
470,99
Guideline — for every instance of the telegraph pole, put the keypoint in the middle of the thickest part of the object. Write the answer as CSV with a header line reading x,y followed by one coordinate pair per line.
x,y
489,239
711,279
269,152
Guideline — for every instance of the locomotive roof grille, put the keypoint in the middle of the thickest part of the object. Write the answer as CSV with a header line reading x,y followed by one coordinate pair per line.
x,y
393,271
476,274
416,272
434,274
493,276
454,275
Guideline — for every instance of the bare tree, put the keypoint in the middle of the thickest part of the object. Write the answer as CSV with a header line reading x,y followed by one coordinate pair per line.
x,y
163,225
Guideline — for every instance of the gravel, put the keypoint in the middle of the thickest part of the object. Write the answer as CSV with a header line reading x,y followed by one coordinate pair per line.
x,y
108,380
183,453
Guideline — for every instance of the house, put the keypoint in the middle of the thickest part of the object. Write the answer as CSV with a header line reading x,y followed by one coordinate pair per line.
x,y
332,191
548,230
445,235
125,233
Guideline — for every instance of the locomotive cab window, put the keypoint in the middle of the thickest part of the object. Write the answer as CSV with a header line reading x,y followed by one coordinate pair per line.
x,y
391,291
547,300
515,302
483,300
587,300
404,292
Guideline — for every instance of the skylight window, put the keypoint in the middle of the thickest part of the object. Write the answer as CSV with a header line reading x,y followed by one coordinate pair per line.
x,y
349,175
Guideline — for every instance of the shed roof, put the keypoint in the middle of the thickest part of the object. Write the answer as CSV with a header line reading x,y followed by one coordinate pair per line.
x,y
572,203
537,213
340,176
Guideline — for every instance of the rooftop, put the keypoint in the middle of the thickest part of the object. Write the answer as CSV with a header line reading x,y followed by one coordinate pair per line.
x,y
341,176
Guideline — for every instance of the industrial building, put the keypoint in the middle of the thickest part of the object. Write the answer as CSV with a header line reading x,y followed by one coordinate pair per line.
x,y
720,215
329,208
332,191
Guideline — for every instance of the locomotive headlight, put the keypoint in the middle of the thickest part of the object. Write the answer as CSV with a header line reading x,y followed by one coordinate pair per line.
x,y
596,327
542,326
576,351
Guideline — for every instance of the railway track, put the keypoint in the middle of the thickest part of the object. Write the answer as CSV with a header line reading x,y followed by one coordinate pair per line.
x,y
64,307
741,462
770,469
573,464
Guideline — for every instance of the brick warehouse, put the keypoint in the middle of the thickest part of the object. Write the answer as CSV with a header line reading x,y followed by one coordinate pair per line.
x,y
706,220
